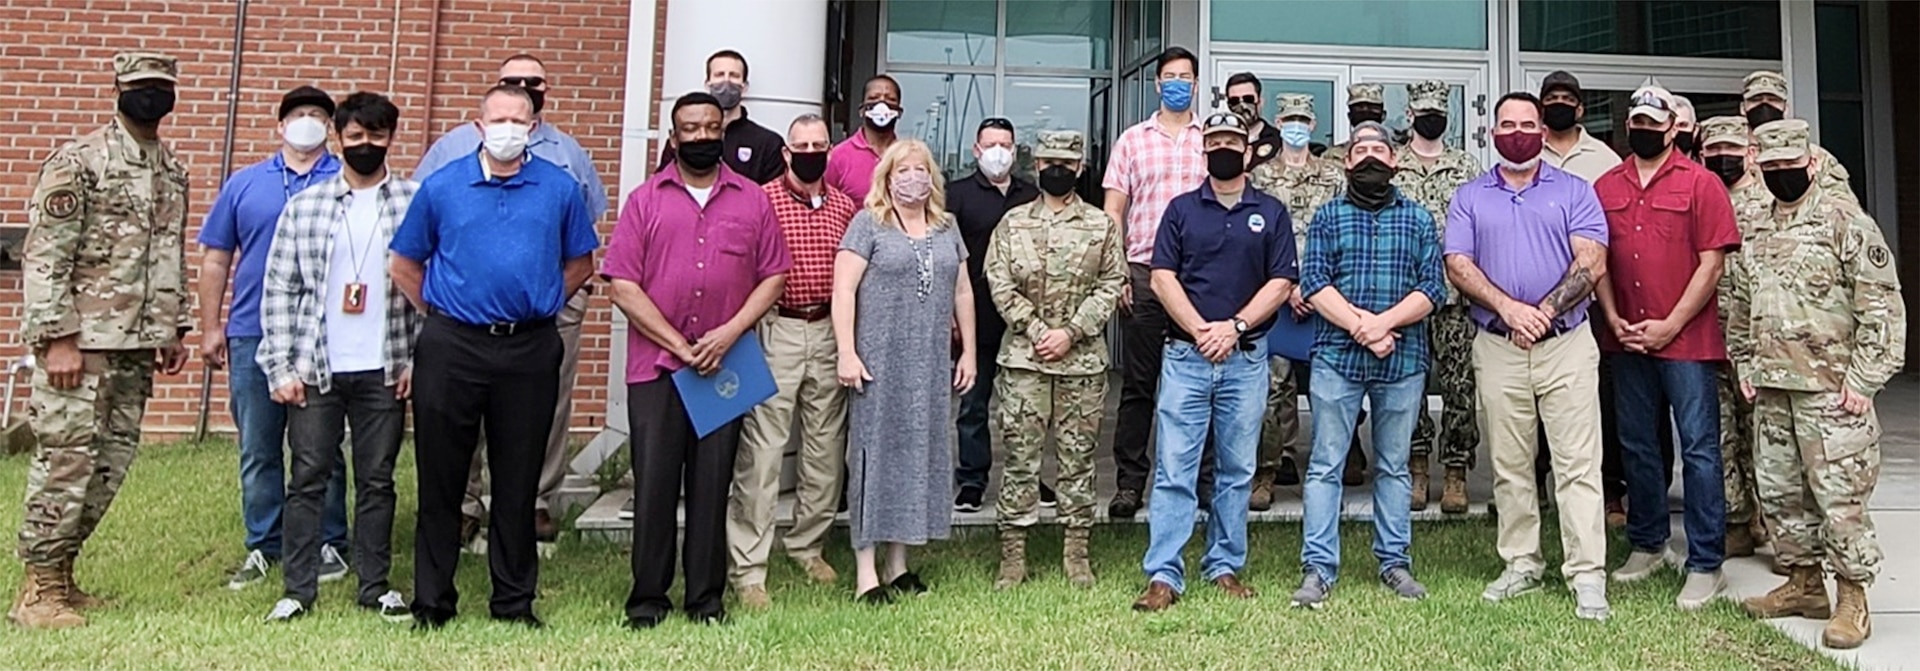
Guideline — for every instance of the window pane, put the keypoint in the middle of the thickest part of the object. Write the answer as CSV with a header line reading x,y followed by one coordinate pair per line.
x,y
1036,104
1061,34
1443,24
1322,92
1457,121
1703,28
1606,118
1838,45
1842,134
945,32
945,111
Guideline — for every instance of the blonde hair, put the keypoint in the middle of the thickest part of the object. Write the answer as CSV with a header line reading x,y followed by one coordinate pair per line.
x,y
880,198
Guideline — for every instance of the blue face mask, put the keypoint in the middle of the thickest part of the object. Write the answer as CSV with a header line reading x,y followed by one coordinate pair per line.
x,y
1295,134
1176,94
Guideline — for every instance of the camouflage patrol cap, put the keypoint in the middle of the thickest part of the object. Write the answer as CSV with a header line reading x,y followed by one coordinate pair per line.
x,y
1295,105
1723,130
1783,140
133,66
1065,145
1429,95
1763,82
1366,93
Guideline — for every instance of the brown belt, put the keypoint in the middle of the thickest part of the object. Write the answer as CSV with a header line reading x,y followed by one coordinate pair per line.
x,y
812,313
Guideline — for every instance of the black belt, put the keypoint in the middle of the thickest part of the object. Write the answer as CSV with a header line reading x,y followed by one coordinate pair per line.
x,y
812,313
498,329
1552,332
1183,336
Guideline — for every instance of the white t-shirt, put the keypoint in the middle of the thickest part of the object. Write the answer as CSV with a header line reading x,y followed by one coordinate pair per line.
x,y
701,196
355,342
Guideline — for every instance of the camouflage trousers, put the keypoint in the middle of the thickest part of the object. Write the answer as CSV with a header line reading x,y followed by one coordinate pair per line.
x,y
87,438
1736,450
1816,467
1451,332
1031,406
1280,430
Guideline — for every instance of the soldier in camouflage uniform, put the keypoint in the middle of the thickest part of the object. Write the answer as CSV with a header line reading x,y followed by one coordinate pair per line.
x,y
1763,98
1724,149
106,304
1055,268
1816,329
1304,183
1365,102
1429,174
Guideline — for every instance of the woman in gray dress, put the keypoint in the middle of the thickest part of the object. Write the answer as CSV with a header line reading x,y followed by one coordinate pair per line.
x,y
899,286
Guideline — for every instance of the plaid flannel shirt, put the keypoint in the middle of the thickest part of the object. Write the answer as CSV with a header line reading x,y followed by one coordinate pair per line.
x,y
293,304
1374,259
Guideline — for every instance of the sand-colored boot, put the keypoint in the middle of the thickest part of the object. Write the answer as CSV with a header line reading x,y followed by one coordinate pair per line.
x,y
1851,624
1079,570
1417,466
1803,594
1013,559
42,603
1453,493
76,597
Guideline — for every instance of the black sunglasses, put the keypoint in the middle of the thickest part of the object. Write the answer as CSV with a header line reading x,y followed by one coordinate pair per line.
x,y
999,123
524,82
1250,100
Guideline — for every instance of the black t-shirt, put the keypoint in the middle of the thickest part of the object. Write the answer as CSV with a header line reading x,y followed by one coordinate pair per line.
x,y
749,149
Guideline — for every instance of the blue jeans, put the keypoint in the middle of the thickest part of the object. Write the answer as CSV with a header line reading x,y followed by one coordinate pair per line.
x,y
1646,387
1336,411
262,424
1198,396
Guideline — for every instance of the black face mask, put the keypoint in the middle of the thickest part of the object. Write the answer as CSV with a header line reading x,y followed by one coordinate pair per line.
x,y
1058,180
1370,184
1561,116
539,99
1430,126
1683,141
1730,167
1787,184
701,155
808,166
1763,114
1226,163
1359,114
146,105
364,159
1646,143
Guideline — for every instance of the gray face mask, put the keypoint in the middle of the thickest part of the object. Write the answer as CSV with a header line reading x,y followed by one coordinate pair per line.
x,y
728,93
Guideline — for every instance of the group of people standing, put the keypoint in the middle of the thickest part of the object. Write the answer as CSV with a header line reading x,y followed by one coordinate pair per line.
x,y
1741,292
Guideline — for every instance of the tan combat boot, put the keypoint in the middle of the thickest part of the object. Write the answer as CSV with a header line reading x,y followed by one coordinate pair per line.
x,y
1079,571
1418,467
1262,497
1013,559
1803,594
1739,540
76,597
1453,494
1851,624
42,603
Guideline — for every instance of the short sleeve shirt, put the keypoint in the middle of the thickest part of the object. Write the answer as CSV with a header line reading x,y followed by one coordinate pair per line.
x,y
1657,233
1223,256
1522,239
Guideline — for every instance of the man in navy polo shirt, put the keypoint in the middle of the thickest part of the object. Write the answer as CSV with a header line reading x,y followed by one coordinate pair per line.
x,y
1223,262
491,248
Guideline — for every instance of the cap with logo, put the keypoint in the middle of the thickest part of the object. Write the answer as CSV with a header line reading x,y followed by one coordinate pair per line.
x,y
1065,145
1560,79
1366,93
1427,96
133,66
1763,82
1783,140
1652,102
1724,130
1224,122
306,95
1296,105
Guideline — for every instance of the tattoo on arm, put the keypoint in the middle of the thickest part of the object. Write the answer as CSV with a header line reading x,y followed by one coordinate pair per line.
x,y
1574,287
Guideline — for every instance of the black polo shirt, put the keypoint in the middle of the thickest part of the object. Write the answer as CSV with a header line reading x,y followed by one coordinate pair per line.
x,y
1223,256
977,206
1265,147
748,148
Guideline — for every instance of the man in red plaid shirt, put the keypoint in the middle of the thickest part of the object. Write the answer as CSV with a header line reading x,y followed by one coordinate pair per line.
x,y
798,339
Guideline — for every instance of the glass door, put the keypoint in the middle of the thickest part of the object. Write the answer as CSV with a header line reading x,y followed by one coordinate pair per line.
x,y
1469,113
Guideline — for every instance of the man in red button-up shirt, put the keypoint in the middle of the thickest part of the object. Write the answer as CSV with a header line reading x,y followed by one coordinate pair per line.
x,y
1671,225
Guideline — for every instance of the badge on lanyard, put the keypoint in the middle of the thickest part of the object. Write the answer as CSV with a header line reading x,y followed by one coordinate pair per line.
x,y
354,300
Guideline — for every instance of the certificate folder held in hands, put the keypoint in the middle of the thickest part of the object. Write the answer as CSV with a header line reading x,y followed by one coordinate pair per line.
x,y
1291,338
742,382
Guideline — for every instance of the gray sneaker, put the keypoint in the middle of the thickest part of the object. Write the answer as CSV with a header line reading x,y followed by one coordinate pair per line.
x,y
1590,597
1700,589
286,610
1510,584
1312,593
332,565
1640,566
252,569
626,509
1401,581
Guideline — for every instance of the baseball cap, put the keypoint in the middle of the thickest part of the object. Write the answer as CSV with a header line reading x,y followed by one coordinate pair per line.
x,y
1224,122
306,95
1653,102
1560,79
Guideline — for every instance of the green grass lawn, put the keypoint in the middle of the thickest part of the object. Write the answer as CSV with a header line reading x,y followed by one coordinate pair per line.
x,y
165,551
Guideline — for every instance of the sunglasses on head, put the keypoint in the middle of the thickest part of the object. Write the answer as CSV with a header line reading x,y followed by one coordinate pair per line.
x,y
1651,100
524,82
998,123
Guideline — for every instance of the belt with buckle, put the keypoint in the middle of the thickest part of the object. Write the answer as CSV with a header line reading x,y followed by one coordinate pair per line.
x,y
1183,336
1553,331
500,329
812,313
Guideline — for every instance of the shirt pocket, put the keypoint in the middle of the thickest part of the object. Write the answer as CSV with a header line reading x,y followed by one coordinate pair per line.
x,y
736,238
1668,213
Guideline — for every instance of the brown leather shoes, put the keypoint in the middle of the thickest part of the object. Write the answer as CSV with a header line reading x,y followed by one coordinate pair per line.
x,y
1231,584
1158,597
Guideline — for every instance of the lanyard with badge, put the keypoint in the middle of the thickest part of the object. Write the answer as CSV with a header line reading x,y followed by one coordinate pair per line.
x,y
287,185
354,300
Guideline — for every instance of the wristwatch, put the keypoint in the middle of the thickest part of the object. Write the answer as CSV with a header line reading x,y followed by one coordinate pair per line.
x,y
1239,325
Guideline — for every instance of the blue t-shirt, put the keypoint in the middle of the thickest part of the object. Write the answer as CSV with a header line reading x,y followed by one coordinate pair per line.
x,y
244,217
1224,256
494,247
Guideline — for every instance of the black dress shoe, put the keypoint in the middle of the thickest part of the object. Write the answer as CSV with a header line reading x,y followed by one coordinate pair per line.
x,y
908,583
714,618
1126,503
878,596
428,620
645,622
527,619
1289,474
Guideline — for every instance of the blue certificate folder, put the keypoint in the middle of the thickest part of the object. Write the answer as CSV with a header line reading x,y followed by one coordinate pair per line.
x,y
1291,338
742,382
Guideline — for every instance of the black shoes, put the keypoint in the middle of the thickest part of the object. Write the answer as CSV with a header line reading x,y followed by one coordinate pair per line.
x,y
645,622
908,583
1289,474
878,596
526,619
968,500
1047,498
1126,503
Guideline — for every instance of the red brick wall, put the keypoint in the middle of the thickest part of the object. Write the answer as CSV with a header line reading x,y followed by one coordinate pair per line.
x,y
57,84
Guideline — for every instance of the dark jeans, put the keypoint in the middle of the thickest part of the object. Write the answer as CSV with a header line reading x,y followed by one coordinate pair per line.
x,y
464,378
668,459
262,429
1646,386
975,461
1143,337
314,432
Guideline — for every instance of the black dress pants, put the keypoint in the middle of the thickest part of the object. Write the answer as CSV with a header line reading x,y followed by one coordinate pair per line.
x,y
669,461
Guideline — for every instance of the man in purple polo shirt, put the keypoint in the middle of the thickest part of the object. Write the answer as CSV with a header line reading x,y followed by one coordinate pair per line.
x,y
695,261
1528,243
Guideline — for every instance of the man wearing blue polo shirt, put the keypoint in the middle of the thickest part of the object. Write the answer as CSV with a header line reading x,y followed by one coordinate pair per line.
x,y
1223,262
491,248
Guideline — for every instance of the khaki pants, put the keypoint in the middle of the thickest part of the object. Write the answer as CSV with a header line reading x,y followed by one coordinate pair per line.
x,y
803,357
1556,384
553,466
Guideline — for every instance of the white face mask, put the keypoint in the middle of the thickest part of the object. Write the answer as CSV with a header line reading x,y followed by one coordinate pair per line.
x,y
882,116
996,162
506,140
304,133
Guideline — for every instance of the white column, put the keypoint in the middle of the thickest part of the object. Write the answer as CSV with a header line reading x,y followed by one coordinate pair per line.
x,y
785,42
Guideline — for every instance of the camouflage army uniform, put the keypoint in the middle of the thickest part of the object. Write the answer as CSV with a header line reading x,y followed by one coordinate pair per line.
x,y
1053,270
1432,184
104,262
1363,92
1816,306
1828,173
1751,203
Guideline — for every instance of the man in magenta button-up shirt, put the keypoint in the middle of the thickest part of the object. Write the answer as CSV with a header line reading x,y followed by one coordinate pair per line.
x,y
696,259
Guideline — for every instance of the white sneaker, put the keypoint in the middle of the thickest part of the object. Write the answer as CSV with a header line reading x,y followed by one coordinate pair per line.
x,y
1701,588
286,610
393,607
1590,597
1640,566
1510,584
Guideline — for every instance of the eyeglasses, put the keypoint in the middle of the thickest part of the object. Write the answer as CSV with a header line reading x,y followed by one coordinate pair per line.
x,y
524,82
997,123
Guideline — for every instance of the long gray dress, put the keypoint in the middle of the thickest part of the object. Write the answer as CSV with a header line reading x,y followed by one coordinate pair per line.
x,y
899,461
